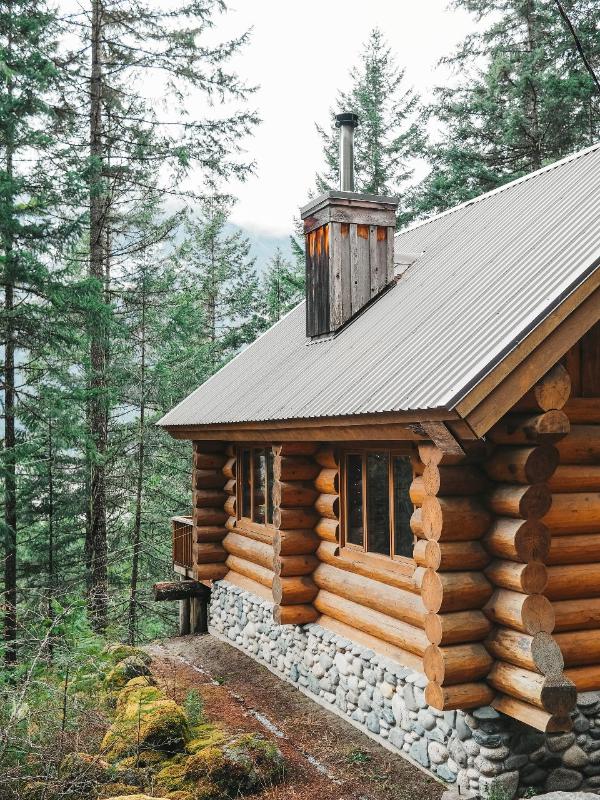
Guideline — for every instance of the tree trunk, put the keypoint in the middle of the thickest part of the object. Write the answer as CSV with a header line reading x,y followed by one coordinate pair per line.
x,y
137,525
10,472
51,577
98,596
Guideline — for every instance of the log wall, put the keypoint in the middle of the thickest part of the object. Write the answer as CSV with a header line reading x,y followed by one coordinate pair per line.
x,y
208,499
449,523
528,663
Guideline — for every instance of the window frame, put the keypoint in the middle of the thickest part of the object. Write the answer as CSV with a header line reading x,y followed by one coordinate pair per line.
x,y
249,522
349,548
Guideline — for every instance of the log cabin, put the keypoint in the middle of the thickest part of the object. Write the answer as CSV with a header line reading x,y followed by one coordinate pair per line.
x,y
396,489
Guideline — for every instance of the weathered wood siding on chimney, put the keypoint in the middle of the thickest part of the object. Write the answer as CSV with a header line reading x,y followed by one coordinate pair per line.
x,y
317,281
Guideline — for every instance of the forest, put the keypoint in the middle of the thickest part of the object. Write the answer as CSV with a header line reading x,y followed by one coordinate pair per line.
x,y
125,285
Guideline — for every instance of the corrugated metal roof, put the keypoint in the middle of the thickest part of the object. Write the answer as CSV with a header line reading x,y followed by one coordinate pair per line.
x,y
490,270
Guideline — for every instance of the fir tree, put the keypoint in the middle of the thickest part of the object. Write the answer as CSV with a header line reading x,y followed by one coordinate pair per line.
x,y
523,99
388,135
282,286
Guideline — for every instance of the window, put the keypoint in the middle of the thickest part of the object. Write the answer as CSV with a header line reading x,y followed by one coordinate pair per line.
x,y
377,506
255,466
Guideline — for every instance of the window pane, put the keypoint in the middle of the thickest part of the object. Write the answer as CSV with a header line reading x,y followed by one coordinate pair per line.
x,y
260,487
403,508
378,503
270,485
245,510
354,500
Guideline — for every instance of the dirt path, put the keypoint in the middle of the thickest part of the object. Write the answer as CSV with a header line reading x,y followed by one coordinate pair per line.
x,y
328,758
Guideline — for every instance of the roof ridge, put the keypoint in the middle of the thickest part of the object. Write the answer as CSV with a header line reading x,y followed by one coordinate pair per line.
x,y
530,175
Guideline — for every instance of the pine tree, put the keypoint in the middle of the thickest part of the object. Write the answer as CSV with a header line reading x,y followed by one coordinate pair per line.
x,y
33,183
282,286
388,135
523,99
133,46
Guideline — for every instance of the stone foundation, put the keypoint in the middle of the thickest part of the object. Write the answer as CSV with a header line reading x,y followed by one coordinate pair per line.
x,y
472,750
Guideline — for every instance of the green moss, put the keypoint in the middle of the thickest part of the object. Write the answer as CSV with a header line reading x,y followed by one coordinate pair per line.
x,y
118,651
112,789
206,735
147,758
147,721
172,777
124,671
134,685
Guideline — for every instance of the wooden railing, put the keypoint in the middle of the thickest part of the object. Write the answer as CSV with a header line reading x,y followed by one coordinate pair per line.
x,y
182,542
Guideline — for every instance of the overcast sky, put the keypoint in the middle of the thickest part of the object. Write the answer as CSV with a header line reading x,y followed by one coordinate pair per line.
x,y
300,55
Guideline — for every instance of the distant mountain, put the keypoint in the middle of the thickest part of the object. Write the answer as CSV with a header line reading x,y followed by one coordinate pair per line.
x,y
264,246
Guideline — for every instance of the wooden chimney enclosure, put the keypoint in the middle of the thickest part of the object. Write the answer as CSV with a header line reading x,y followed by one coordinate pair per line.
x,y
349,243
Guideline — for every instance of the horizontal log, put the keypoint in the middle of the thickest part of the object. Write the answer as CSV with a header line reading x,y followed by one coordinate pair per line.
x,y
390,600
210,533
572,581
580,647
538,653
401,634
295,449
294,494
525,502
295,469
295,615
327,457
574,513
370,642
230,505
551,392
328,481
250,550
454,591
530,578
207,479
302,564
294,590
209,553
209,498
328,505
248,585
230,486
430,454
294,518
581,445
450,556
530,613
210,572
328,529
557,696
417,491
391,573
456,664
204,517
258,533
530,715
253,571
230,468
457,627
518,540
199,446
462,696
298,542
575,478
180,590
454,519
461,480
573,615
545,428
524,465
586,679
208,461
581,549
583,409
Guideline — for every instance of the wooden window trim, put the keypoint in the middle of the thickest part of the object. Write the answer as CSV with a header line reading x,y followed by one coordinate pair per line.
x,y
350,550
248,523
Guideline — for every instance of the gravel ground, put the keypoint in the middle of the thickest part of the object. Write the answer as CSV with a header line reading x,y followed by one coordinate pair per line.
x,y
328,759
